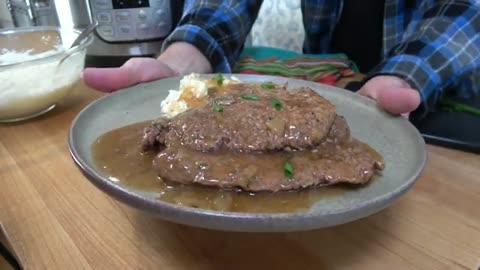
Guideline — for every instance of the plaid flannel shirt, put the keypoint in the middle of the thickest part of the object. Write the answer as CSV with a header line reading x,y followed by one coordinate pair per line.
x,y
433,45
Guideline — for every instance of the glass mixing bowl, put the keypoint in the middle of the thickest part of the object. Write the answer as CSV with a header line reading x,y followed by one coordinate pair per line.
x,y
37,69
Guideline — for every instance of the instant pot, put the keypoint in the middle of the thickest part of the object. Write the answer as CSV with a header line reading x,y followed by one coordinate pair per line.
x,y
127,28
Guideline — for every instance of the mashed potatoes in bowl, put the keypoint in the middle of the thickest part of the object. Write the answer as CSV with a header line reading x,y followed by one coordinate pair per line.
x,y
37,69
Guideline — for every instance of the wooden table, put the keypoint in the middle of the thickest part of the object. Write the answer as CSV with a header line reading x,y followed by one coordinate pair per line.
x,y
56,219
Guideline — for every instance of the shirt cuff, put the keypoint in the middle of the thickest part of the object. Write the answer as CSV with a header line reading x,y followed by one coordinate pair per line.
x,y
417,73
204,42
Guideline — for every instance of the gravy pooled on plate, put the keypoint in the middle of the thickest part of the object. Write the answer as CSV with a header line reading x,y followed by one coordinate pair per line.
x,y
117,153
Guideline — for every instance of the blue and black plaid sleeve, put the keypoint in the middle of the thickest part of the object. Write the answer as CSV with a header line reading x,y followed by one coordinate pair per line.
x,y
434,45
217,28
440,46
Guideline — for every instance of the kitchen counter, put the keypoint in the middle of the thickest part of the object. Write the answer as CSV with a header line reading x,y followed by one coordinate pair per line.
x,y
56,219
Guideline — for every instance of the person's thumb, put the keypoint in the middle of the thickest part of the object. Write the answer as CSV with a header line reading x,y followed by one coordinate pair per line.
x,y
392,94
134,71
398,100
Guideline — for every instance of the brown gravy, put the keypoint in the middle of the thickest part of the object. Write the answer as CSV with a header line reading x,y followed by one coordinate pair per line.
x,y
118,154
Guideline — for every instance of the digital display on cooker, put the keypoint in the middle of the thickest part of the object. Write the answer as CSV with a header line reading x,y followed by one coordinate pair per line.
x,y
119,4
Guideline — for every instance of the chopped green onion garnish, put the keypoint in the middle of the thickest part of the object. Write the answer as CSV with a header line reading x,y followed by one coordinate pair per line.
x,y
217,107
219,78
249,97
251,180
267,85
288,169
276,103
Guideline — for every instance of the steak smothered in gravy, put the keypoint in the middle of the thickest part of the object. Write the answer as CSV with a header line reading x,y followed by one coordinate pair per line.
x,y
259,137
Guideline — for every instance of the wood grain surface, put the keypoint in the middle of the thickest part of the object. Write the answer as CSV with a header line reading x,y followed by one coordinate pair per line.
x,y
56,219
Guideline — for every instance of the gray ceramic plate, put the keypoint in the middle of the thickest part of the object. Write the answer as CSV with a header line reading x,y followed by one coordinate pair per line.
x,y
395,138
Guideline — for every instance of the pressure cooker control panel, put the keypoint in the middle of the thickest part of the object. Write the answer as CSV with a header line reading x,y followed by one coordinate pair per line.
x,y
132,20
